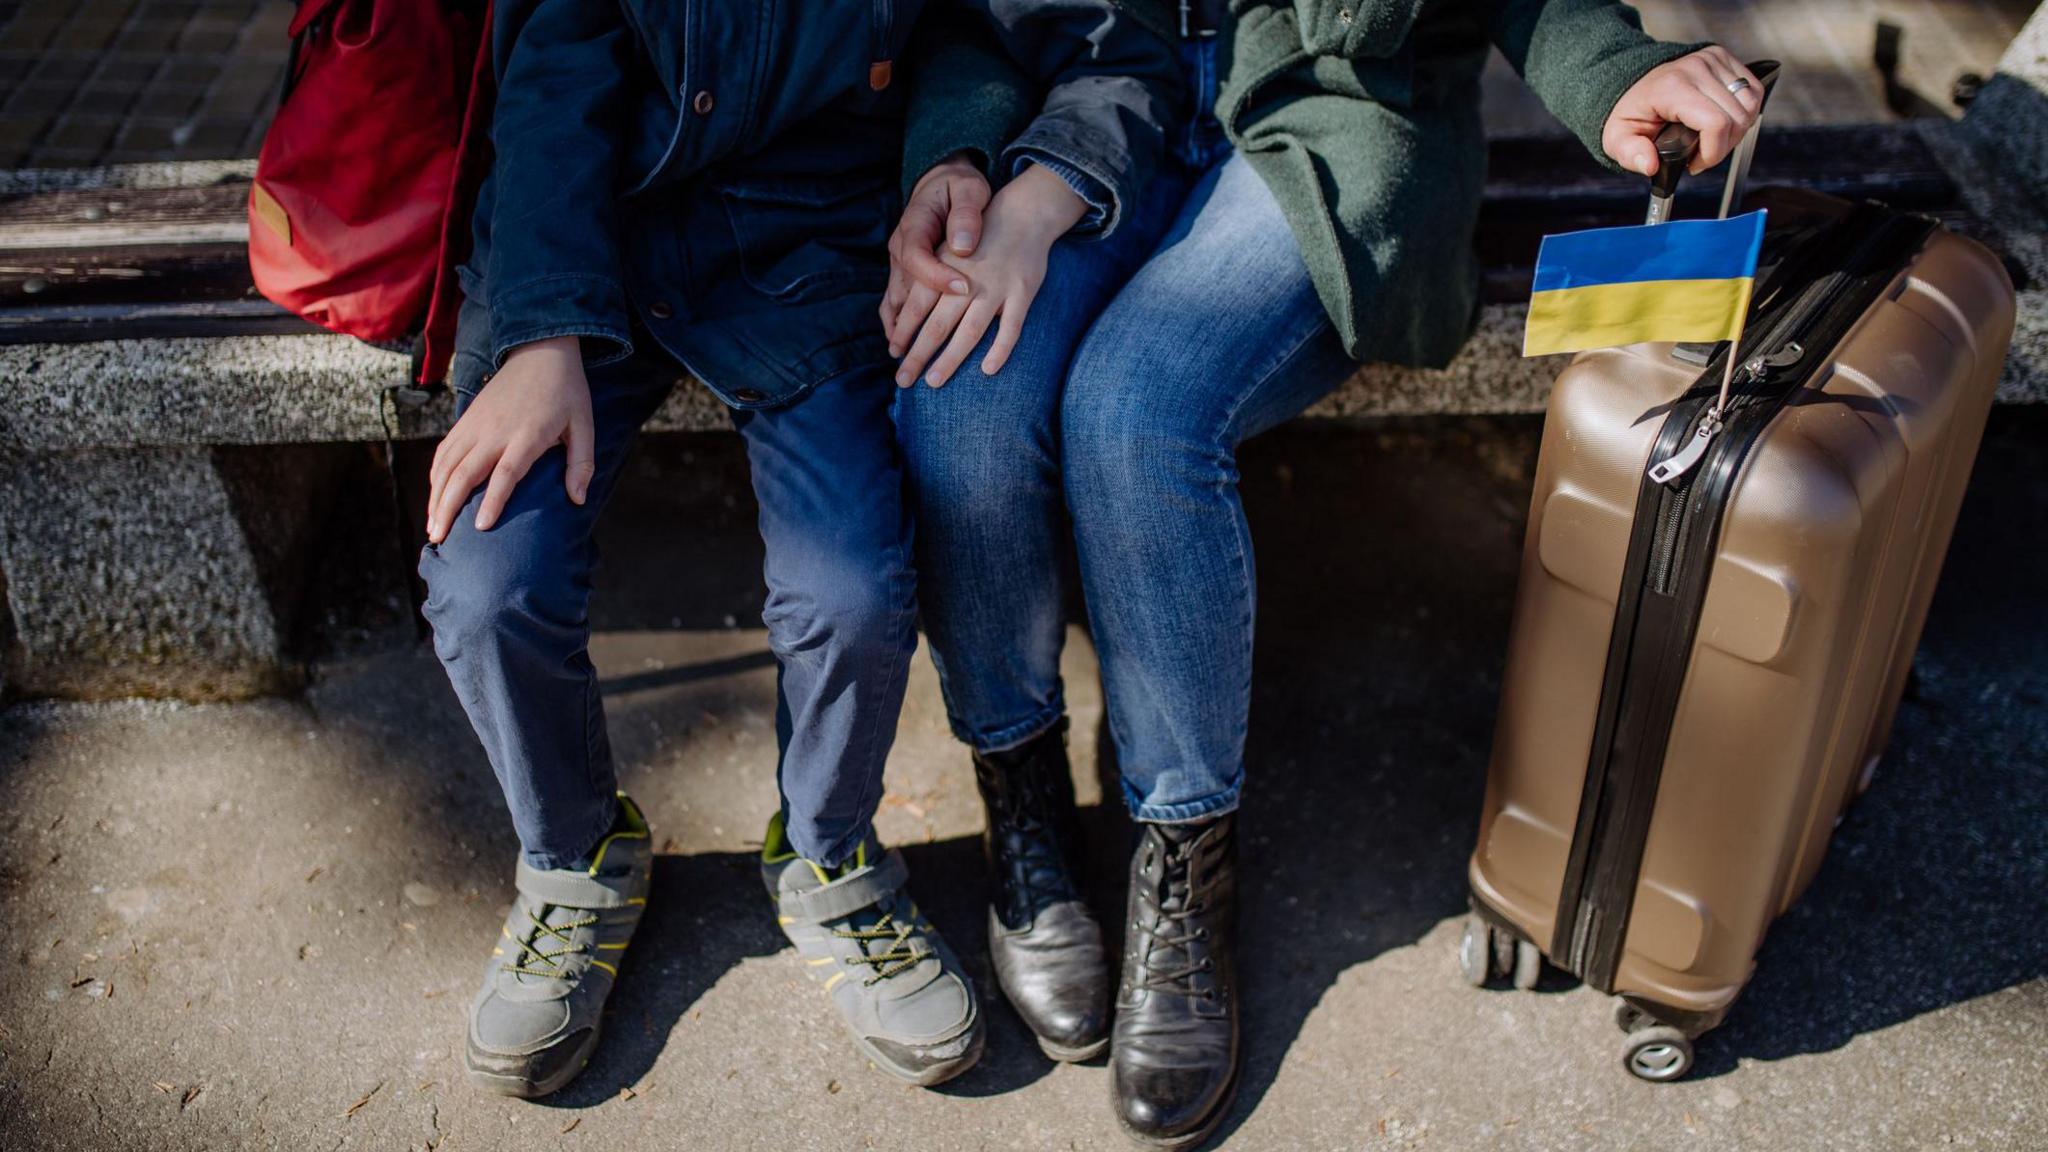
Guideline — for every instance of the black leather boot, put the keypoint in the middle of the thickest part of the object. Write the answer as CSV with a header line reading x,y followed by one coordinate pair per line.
x,y
1173,1060
1046,945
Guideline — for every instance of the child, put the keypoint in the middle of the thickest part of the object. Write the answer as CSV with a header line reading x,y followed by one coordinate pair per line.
x,y
708,188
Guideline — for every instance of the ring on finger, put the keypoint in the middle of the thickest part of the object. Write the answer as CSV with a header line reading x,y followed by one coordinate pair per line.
x,y
1739,84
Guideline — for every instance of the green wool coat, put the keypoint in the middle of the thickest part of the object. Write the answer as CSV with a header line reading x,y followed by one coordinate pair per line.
x,y
1362,116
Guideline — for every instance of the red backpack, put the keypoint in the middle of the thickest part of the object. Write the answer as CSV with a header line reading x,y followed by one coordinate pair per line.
x,y
360,209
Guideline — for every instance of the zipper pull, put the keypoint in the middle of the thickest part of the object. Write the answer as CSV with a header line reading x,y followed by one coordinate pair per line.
x,y
1784,357
1757,367
1689,457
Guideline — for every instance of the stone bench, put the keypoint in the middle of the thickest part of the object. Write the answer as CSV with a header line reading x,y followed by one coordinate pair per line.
x,y
144,551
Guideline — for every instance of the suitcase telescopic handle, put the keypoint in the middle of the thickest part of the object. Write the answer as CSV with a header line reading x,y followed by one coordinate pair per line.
x,y
1677,143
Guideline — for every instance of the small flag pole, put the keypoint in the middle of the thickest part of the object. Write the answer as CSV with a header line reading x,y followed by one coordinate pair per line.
x,y
1728,369
1731,196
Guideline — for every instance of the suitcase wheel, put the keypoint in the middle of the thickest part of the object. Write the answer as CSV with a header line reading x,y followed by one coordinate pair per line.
x,y
1475,952
1528,965
1628,1017
1658,1053
1503,952
1485,952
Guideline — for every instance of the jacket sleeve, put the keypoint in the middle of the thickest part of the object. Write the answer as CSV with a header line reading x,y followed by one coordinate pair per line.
x,y
553,266
1579,56
966,97
1112,86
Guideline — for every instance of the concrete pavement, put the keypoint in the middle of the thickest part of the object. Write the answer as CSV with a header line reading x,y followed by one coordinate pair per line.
x,y
258,925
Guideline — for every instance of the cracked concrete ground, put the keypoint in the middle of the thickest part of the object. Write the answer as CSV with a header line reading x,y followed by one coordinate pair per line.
x,y
257,926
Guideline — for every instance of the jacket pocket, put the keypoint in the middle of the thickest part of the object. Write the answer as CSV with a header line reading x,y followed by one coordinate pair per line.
x,y
1386,80
803,240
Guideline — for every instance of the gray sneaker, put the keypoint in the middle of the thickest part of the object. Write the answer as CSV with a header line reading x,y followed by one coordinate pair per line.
x,y
898,988
535,1022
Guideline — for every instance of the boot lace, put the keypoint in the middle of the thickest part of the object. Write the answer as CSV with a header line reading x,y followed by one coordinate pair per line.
x,y
533,958
1030,854
1166,963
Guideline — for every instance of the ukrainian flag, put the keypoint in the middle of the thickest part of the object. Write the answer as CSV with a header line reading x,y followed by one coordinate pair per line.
x,y
1686,280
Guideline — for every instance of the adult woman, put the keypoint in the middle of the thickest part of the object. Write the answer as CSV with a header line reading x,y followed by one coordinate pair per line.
x,y
1333,163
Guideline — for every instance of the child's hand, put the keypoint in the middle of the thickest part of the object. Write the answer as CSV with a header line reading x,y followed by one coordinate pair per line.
x,y
1026,218
538,400
1693,91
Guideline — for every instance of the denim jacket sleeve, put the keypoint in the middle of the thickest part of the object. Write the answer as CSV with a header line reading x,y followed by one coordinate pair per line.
x,y
1112,87
553,266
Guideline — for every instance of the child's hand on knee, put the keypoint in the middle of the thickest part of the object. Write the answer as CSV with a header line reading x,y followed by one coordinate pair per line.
x,y
1002,275
1708,91
538,400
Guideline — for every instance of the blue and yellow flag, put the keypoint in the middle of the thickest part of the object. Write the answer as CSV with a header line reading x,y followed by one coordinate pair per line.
x,y
1686,280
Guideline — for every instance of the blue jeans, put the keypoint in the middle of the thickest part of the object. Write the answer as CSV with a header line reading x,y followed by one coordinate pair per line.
x,y
511,624
1147,358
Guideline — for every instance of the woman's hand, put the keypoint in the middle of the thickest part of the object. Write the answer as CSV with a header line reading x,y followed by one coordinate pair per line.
x,y
1026,218
944,208
1693,91
538,400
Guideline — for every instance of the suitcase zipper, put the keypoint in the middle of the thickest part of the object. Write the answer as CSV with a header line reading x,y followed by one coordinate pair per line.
x,y
1671,551
1695,449
1711,422
1805,244
1675,472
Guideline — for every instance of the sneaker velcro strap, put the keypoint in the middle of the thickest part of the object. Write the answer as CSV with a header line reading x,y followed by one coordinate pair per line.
x,y
858,889
574,888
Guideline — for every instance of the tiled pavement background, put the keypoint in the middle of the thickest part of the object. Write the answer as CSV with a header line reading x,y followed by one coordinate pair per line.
x,y
113,81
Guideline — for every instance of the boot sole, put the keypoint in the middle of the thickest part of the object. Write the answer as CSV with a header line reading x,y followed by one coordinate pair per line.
x,y
1058,1053
524,1087
1200,1135
1076,1055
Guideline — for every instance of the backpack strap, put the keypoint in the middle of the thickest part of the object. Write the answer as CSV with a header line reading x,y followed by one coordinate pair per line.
x,y
472,162
309,12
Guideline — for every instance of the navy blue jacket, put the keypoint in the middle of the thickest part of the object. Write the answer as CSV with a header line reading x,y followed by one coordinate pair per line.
x,y
721,176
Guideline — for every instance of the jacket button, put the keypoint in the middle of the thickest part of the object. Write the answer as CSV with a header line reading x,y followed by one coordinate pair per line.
x,y
660,310
750,395
703,103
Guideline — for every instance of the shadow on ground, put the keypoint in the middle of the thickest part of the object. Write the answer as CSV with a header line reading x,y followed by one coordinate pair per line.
x,y
1387,565
1386,572
715,916
1931,894
1387,561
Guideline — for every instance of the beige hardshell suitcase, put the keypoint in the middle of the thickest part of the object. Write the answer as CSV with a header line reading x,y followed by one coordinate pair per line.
x,y
1702,673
